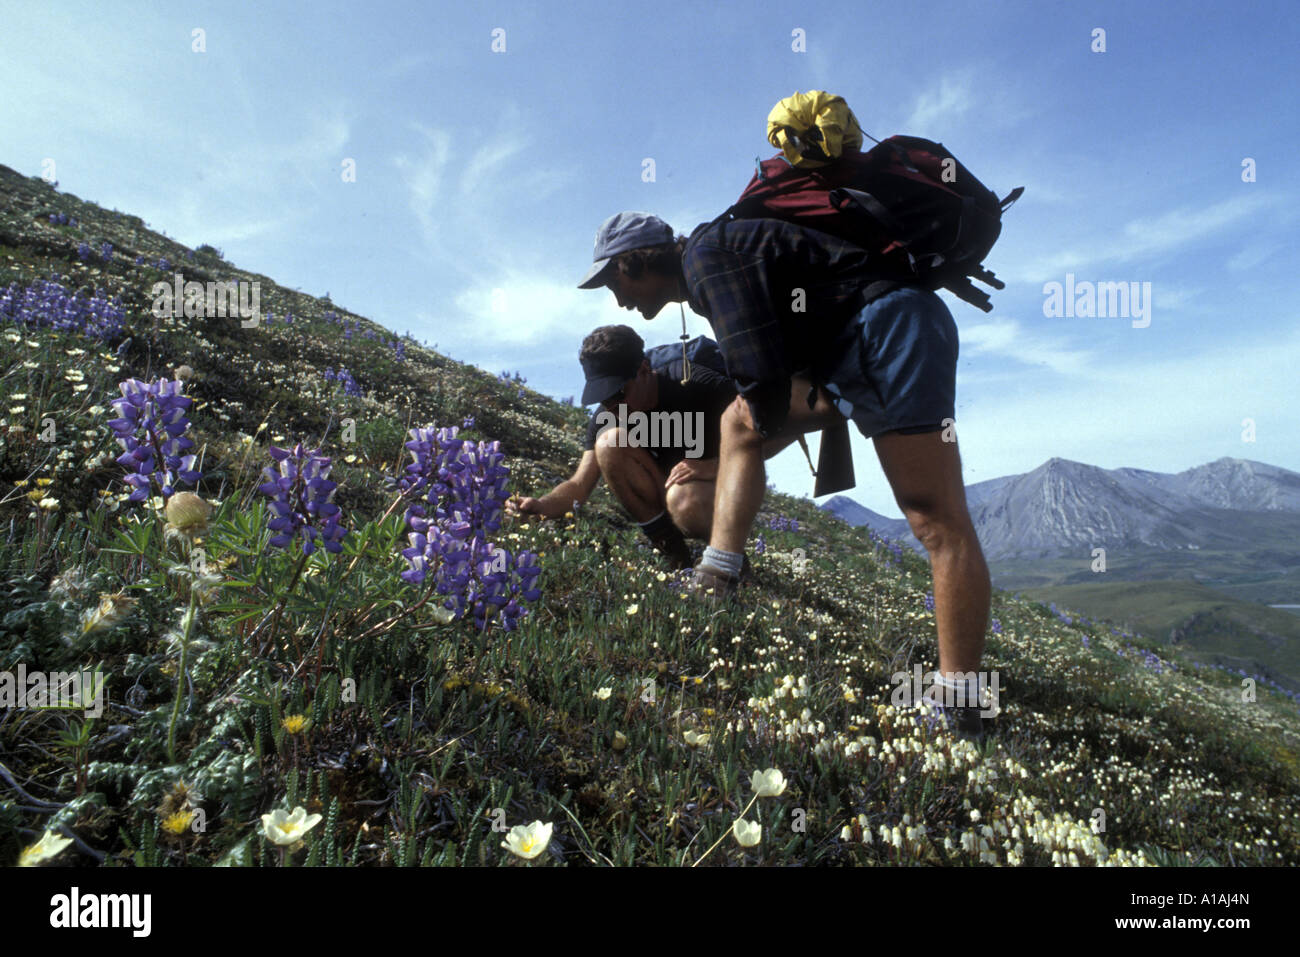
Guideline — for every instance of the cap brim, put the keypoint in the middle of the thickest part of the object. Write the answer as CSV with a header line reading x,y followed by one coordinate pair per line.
x,y
593,278
598,390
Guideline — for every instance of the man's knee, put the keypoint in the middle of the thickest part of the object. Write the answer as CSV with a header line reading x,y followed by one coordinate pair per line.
x,y
938,525
690,505
610,443
686,498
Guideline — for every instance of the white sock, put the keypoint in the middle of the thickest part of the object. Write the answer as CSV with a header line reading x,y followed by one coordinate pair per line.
x,y
958,693
729,562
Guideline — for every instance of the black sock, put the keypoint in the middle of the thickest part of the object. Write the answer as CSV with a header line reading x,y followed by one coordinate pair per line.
x,y
659,526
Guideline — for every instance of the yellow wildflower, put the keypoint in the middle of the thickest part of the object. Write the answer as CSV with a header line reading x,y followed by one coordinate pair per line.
x,y
295,723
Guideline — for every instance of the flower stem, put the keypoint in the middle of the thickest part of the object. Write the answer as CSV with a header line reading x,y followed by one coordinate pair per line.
x,y
180,681
279,609
726,832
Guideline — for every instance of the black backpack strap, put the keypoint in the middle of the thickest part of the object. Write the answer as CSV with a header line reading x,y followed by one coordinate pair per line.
x,y
844,198
880,287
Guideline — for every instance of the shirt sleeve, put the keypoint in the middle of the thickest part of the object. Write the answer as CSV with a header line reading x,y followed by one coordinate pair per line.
x,y
712,380
736,290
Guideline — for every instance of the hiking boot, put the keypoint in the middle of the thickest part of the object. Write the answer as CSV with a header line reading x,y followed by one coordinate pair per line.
x,y
965,723
708,577
671,545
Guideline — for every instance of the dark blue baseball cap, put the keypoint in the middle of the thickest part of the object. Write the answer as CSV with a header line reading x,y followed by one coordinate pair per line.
x,y
618,234
606,375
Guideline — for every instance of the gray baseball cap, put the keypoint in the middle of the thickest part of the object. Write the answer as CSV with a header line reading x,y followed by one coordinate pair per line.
x,y
618,234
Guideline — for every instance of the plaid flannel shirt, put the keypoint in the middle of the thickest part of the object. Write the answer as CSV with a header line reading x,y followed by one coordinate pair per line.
x,y
777,296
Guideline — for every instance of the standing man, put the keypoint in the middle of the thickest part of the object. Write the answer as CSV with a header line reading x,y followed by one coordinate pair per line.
x,y
782,299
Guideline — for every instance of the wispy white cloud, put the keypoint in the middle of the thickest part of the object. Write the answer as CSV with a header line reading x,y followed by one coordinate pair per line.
x,y
478,193
525,308
424,175
1144,238
1255,254
1004,337
941,107
1136,410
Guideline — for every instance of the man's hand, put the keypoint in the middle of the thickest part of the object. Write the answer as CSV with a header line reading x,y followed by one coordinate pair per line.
x,y
692,470
517,505
741,405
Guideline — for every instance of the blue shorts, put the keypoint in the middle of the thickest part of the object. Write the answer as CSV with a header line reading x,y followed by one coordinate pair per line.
x,y
894,365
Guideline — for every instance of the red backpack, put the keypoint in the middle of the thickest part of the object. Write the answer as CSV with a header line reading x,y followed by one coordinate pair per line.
x,y
907,199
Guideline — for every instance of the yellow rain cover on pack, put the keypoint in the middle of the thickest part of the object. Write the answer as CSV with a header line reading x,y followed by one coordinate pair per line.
x,y
833,127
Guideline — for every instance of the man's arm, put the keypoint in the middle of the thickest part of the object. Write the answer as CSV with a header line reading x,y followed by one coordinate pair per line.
x,y
737,292
561,498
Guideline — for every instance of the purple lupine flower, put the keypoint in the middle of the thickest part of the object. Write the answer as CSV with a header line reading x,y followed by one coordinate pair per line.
x,y
760,546
83,251
300,494
47,303
151,429
163,264
997,627
468,423
929,602
106,251
350,385
460,490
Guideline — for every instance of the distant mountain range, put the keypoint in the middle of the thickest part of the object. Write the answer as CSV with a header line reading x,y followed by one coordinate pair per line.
x,y
1069,508
1211,546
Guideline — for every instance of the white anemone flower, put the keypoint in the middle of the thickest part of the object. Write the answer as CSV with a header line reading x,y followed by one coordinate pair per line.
x,y
748,833
48,847
284,828
769,783
527,841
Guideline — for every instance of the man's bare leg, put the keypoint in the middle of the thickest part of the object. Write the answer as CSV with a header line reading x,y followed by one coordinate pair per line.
x,y
632,474
691,506
742,479
925,474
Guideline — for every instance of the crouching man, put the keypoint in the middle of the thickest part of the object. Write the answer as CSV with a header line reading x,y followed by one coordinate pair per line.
x,y
654,440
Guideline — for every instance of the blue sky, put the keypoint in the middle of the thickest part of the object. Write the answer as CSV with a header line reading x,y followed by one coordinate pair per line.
x,y
479,171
